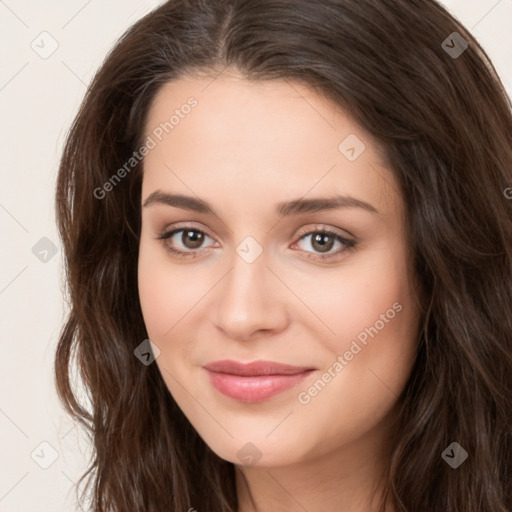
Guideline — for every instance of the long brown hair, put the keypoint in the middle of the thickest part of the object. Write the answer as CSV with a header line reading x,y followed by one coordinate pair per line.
x,y
444,120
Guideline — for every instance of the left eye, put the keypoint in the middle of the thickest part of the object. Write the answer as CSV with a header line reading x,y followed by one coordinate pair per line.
x,y
324,241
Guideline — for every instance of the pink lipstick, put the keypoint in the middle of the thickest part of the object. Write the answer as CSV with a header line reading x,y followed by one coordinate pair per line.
x,y
256,381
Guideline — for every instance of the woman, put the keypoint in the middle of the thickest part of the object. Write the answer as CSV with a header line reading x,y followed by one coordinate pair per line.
x,y
289,260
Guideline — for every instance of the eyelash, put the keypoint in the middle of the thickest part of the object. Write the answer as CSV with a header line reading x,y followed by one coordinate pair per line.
x,y
349,244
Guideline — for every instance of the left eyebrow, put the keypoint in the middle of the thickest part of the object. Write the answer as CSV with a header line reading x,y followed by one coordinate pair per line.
x,y
300,206
284,209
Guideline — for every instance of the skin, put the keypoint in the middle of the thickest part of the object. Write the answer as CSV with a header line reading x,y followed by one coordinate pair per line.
x,y
245,147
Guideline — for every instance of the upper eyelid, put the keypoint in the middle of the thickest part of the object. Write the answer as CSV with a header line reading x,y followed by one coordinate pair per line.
x,y
301,233
323,227
184,226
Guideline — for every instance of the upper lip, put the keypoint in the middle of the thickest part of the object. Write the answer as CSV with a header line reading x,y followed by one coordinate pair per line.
x,y
255,368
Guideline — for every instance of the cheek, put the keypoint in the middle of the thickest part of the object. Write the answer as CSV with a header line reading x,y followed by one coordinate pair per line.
x,y
167,292
156,301
161,298
358,295
375,320
369,329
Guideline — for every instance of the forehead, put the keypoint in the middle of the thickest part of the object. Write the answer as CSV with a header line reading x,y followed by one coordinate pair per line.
x,y
257,136
230,104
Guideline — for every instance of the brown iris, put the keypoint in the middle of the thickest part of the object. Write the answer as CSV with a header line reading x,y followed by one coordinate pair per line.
x,y
322,242
192,239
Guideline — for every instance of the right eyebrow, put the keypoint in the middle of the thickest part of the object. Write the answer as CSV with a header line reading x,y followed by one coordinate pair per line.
x,y
179,201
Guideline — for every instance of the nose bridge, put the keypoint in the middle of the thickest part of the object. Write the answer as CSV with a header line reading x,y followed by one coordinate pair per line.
x,y
244,289
247,300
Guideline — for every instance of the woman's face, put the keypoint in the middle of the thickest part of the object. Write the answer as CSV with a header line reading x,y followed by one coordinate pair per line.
x,y
291,251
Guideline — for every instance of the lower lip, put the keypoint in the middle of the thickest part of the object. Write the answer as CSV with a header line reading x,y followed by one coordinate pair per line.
x,y
254,389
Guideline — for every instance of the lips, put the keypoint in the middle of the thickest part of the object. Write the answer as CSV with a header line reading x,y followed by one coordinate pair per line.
x,y
255,381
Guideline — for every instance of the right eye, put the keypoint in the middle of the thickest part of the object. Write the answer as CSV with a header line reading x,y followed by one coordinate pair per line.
x,y
191,240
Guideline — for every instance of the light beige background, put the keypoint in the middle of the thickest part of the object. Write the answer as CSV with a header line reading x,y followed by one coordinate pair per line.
x,y
38,100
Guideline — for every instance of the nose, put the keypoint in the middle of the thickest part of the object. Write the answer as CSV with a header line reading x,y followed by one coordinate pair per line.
x,y
250,300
